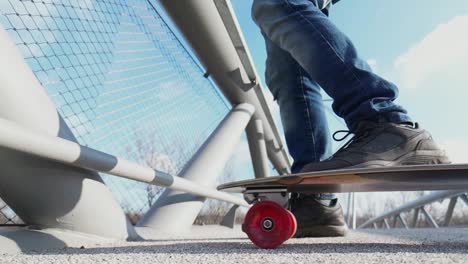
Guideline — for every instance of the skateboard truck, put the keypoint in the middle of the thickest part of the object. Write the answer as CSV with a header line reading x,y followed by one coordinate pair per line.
x,y
280,196
268,223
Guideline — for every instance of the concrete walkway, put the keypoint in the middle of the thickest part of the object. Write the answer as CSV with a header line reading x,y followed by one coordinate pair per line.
x,y
213,244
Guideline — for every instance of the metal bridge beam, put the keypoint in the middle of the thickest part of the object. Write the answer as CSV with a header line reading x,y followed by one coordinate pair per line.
x,y
429,218
21,139
213,32
385,222
402,220
416,204
395,221
175,211
415,217
45,193
257,148
449,214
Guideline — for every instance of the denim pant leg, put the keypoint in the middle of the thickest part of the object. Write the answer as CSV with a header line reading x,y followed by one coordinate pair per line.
x,y
301,108
329,57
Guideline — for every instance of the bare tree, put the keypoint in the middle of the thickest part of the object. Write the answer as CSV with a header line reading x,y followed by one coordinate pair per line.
x,y
149,153
214,211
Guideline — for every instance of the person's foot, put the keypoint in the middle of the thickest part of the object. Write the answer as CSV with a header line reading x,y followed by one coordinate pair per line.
x,y
381,145
373,145
317,218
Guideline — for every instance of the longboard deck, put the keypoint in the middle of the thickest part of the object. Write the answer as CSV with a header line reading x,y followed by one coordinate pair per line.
x,y
404,178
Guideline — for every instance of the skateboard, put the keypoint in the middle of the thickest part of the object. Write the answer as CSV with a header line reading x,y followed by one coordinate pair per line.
x,y
269,223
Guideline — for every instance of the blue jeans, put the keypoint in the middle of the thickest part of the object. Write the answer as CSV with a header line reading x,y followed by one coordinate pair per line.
x,y
307,52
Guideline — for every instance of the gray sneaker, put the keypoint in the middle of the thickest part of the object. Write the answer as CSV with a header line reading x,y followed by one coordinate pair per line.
x,y
317,218
381,145
373,145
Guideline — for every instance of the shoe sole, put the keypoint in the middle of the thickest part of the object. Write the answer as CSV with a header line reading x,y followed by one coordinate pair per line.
x,y
322,231
418,157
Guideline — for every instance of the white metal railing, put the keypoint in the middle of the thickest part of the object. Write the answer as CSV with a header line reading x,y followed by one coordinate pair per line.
x,y
418,206
20,138
31,125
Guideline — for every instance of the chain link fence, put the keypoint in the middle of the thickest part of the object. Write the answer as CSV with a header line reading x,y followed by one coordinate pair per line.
x,y
122,81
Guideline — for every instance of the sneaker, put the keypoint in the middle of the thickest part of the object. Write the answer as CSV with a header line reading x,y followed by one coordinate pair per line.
x,y
316,217
381,145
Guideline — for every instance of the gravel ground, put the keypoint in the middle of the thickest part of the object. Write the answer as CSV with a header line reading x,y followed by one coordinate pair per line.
x,y
210,244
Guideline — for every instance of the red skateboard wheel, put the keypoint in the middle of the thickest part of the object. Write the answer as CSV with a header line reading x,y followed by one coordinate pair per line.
x,y
294,224
268,225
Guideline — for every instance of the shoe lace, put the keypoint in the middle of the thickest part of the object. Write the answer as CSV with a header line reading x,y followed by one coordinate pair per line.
x,y
363,131
355,140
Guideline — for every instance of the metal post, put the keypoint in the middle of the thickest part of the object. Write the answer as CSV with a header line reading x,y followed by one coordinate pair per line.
x,y
448,215
348,209
416,205
395,221
415,217
42,192
402,220
386,224
429,218
19,138
257,147
176,211
354,211
207,33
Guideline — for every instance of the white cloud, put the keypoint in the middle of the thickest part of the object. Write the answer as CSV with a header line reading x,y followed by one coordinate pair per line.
x,y
433,73
456,149
442,52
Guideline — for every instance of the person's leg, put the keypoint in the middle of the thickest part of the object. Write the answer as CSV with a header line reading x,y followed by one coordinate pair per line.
x,y
301,108
384,135
308,139
329,57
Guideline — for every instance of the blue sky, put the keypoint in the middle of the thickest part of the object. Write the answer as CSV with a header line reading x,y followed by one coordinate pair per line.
x,y
420,45
122,82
